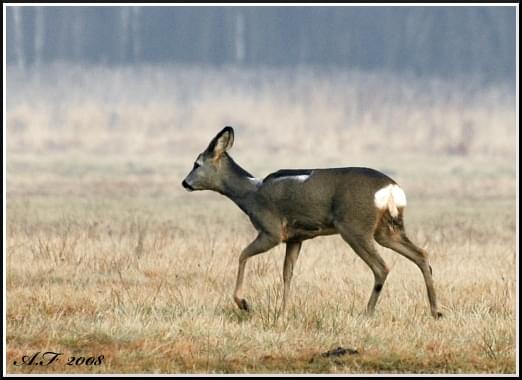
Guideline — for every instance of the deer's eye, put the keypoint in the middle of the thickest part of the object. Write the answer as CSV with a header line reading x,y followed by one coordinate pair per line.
x,y
196,165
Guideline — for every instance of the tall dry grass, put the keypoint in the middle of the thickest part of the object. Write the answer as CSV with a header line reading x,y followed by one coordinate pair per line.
x,y
107,255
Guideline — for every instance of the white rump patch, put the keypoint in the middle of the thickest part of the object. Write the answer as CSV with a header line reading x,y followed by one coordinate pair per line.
x,y
390,197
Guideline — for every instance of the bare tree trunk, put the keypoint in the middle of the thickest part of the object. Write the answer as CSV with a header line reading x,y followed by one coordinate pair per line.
x,y
124,31
239,37
136,30
18,38
39,36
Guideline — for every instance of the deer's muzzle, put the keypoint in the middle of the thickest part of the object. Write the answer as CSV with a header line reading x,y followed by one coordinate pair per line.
x,y
187,186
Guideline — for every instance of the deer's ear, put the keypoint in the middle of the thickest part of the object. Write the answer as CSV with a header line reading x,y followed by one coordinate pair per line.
x,y
222,142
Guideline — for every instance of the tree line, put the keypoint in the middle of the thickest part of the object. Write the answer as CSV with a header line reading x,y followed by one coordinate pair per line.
x,y
444,41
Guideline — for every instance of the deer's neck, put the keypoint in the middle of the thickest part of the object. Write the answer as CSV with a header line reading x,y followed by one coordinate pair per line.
x,y
238,185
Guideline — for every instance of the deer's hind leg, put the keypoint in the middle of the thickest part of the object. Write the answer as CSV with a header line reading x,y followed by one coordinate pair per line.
x,y
361,240
390,233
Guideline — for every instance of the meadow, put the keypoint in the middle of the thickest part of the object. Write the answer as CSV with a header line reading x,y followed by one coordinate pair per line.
x,y
106,254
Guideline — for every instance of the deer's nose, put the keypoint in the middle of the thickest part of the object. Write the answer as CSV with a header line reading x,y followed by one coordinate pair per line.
x,y
187,186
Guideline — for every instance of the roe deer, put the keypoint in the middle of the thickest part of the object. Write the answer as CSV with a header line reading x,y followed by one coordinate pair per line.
x,y
360,204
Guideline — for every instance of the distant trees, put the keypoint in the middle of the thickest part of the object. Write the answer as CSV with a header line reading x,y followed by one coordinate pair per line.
x,y
444,41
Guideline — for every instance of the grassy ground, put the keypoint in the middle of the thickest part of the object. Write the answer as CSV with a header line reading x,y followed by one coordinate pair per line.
x,y
107,255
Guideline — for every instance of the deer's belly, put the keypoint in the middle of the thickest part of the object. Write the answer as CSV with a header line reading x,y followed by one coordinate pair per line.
x,y
297,230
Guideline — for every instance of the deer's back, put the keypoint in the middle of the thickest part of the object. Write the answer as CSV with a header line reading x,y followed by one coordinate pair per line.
x,y
319,184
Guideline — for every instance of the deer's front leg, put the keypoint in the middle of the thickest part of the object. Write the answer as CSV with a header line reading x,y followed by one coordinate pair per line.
x,y
292,253
262,243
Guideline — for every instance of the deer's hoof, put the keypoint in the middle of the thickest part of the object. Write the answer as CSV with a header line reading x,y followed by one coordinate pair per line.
x,y
243,305
438,315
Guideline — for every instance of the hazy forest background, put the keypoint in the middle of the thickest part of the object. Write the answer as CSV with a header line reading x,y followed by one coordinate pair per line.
x,y
110,260
443,41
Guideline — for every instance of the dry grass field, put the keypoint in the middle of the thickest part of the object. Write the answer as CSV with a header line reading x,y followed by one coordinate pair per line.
x,y
107,255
